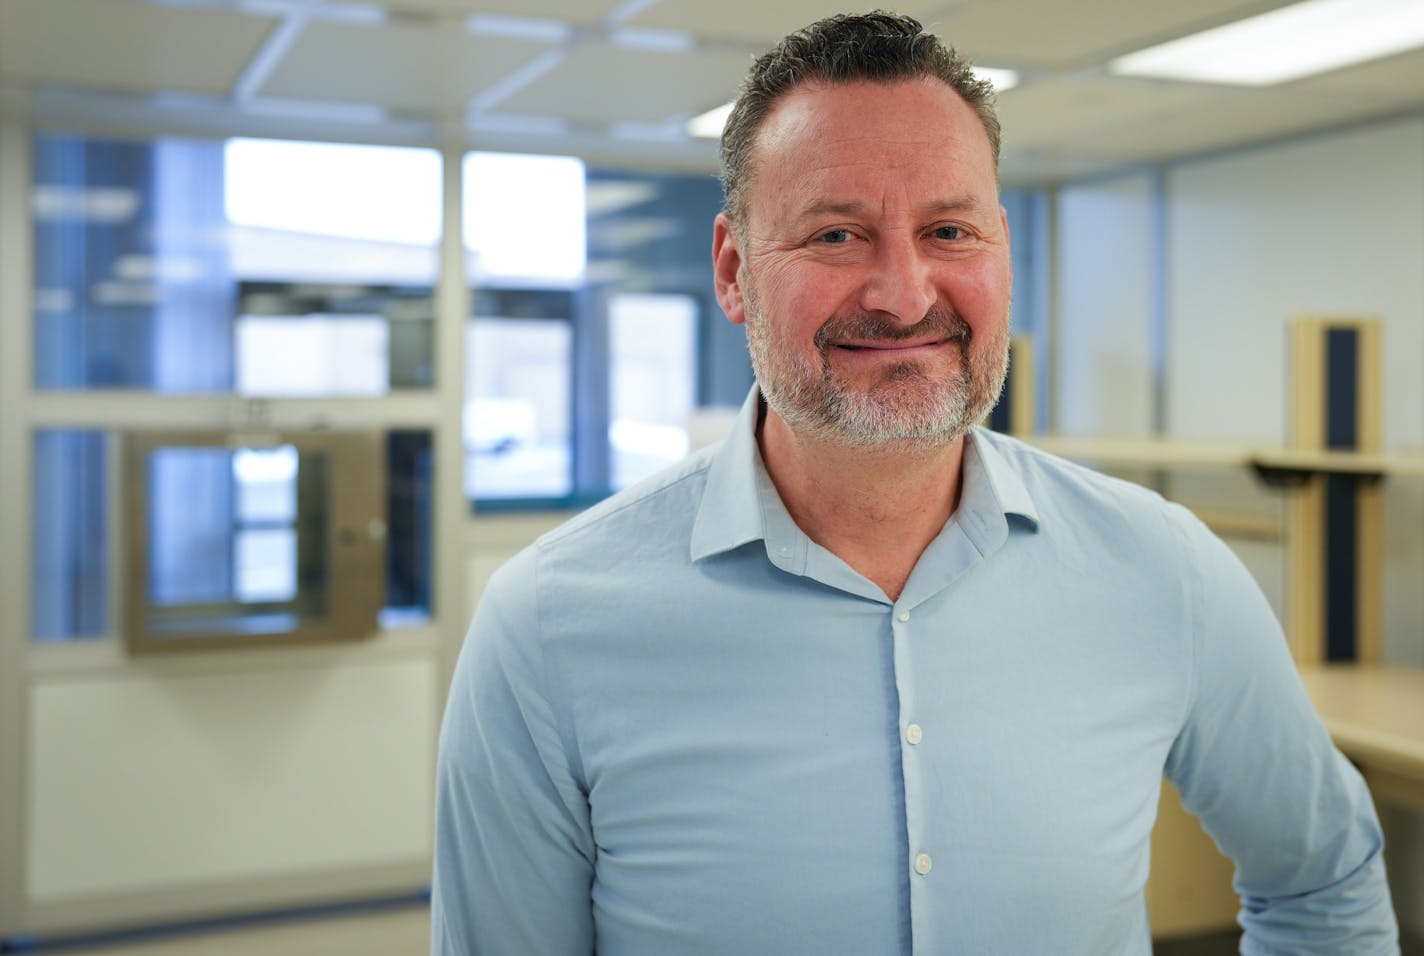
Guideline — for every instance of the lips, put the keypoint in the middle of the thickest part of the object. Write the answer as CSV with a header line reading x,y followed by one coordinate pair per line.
x,y
890,346
872,334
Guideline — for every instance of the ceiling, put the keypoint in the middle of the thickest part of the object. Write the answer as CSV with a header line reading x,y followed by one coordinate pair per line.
x,y
615,80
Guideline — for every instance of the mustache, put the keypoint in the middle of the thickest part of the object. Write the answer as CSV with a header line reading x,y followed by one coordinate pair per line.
x,y
938,323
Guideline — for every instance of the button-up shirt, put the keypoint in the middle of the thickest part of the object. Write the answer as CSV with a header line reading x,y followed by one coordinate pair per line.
x,y
680,726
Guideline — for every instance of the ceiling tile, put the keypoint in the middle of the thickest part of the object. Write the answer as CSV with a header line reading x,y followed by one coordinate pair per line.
x,y
1396,79
758,23
1035,33
1067,111
602,83
126,45
1229,118
425,68
1030,168
423,65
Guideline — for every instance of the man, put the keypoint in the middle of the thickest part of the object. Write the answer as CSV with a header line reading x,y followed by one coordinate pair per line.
x,y
866,679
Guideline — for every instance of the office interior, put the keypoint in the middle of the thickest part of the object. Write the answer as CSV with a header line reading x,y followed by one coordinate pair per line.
x,y
314,312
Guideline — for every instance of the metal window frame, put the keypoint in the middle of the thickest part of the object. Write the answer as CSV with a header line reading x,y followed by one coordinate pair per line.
x,y
354,537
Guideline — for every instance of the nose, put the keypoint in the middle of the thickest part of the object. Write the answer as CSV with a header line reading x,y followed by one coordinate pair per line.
x,y
899,284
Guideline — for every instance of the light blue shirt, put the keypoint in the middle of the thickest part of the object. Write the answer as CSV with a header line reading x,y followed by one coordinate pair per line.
x,y
679,726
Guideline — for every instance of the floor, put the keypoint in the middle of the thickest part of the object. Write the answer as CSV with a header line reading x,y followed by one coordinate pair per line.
x,y
405,930
1225,944
392,931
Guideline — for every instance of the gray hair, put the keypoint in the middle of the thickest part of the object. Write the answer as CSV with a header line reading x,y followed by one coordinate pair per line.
x,y
879,47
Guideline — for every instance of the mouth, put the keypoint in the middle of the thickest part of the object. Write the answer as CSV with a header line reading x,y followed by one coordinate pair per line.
x,y
908,348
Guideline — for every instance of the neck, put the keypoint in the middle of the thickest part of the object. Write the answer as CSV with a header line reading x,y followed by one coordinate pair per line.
x,y
876,507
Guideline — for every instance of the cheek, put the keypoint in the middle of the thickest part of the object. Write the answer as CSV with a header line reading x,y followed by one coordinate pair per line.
x,y
981,297
796,300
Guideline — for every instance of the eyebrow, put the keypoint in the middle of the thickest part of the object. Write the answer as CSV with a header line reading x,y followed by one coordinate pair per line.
x,y
853,208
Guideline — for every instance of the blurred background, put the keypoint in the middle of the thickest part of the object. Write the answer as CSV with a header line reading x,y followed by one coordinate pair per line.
x,y
313,312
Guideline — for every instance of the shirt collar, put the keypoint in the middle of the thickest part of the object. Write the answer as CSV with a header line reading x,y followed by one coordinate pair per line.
x,y
730,514
740,504
1001,483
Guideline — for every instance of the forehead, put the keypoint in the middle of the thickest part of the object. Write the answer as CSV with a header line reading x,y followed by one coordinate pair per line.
x,y
916,134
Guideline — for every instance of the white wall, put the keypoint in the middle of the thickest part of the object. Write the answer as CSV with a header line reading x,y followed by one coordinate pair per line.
x,y
147,782
1103,333
1328,225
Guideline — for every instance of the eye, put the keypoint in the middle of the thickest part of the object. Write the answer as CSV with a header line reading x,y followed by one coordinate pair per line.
x,y
948,232
835,236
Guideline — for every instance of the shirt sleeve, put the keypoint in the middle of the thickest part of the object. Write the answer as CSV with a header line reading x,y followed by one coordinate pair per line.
x,y
513,845
1254,762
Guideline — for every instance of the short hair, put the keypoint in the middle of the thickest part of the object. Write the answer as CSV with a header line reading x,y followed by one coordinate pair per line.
x,y
879,47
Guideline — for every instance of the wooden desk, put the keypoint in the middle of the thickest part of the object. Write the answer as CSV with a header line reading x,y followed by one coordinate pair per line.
x,y
1376,717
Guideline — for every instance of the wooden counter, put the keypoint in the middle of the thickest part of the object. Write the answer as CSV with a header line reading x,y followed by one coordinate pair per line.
x,y
1376,717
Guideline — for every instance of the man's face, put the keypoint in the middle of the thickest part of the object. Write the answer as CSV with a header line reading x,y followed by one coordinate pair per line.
x,y
872,270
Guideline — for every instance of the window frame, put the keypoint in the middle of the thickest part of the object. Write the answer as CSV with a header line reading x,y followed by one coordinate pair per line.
x,y
352,537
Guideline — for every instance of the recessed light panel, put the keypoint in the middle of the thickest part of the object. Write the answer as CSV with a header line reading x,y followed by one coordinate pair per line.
x,y
710,123
1002,79
1285,44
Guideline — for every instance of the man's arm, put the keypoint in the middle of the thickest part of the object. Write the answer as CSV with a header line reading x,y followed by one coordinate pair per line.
x,y
513,846
1256,765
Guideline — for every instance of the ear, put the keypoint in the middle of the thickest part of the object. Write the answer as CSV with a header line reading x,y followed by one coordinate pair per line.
x,y
727,269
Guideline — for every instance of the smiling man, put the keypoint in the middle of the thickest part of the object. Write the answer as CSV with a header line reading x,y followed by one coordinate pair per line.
x,y
866,678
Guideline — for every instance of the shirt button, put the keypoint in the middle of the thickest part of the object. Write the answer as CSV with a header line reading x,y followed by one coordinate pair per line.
x,y
923,864
903,616
914,734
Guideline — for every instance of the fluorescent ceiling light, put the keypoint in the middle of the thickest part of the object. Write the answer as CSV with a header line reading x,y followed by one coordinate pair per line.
x,y
537,29
659,41
710,123
604,197
338,12
109,205
1285,44
1002,79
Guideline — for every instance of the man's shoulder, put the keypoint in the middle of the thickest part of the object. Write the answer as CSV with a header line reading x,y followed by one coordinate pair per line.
x,y
1037,466
662,504
625,543
1060,486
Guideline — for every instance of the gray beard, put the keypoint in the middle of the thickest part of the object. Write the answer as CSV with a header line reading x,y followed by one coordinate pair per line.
x,y
905,407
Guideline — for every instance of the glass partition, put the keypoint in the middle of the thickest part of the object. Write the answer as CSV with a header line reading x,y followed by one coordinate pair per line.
x,y
258,268
70,524
652,355
595,333
230,547
185,266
